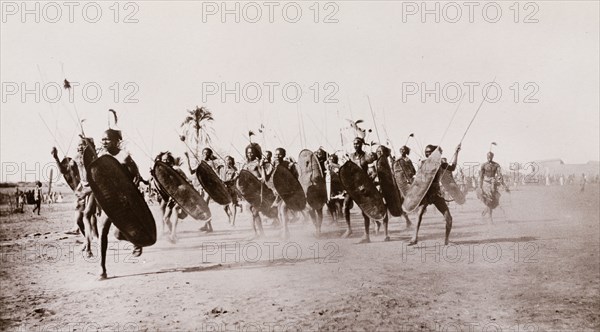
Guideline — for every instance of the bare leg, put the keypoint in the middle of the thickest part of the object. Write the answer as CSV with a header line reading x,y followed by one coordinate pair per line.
x,y
385,228
448,218
319,222
173,236
420,213
104,246
282,214
377,227
256,223
408,222
366,238
234,207
228,213
347,208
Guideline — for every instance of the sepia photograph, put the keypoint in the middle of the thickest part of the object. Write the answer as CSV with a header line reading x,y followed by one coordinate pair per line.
x,y
303,165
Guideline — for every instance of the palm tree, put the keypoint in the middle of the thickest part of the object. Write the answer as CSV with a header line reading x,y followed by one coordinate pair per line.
x,y
197,123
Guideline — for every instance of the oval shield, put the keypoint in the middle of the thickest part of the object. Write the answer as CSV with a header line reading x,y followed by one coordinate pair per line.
x,y
182,192
423,179
312,180
289,188
121,201
212,184
362,190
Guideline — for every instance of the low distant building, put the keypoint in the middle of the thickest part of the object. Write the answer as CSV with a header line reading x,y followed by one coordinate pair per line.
x,y
558,167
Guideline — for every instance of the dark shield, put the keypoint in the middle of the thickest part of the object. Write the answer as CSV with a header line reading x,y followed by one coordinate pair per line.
x,y
71,173
182,192
256,193
212,184
288,188
312,180
423,180
361,189
393,199
121,201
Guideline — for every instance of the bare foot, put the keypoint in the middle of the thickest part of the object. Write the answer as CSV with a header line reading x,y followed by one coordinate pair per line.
x,y
365,239
387,239
412,242
347,234
102,276
172,239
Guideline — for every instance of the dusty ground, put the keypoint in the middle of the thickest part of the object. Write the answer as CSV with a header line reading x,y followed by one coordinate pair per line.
x,y
537,268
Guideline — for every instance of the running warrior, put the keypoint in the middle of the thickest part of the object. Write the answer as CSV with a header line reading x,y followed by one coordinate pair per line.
x,y
168,206
209,158
229,174
85,218
111,145
335,191
282,207
408,170
253,165
363,160
434,195
490,176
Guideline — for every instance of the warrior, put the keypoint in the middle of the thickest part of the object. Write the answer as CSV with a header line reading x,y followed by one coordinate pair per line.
x,y
209,158
317,214
363,160
253,165
282,208
434,195
111,145
336,196
409,173
37,197
229,175
85,218
490,176
167,204
267,163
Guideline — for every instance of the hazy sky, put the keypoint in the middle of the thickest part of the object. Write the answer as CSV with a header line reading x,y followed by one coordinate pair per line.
x,y
379,49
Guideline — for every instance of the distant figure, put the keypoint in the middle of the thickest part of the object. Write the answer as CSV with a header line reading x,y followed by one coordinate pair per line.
x,y
583,181
561,180
490,177
37,197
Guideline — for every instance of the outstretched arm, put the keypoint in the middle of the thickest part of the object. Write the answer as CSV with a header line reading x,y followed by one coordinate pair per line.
x,y
187,157
454,162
